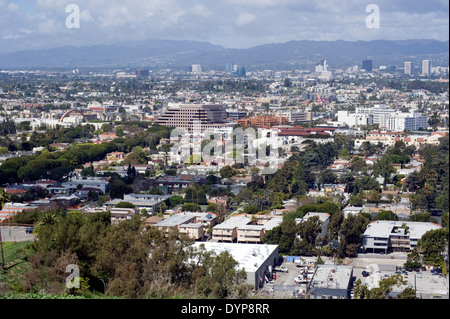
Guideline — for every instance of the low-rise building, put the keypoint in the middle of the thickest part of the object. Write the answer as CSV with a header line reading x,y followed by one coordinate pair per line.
x,y
9,210
146,202
192,224
117,214
331,282
324,219
100,183
245,228
394,236
258,260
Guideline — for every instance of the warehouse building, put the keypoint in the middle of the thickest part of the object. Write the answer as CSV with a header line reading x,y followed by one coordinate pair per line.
x,y
331,282
258,260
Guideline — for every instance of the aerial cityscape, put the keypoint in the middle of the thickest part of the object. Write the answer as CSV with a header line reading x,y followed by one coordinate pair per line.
x,y
196,151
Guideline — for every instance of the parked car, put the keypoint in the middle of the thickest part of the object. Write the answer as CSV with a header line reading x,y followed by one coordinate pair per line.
x,y
29,230
436,271
284,269
365,273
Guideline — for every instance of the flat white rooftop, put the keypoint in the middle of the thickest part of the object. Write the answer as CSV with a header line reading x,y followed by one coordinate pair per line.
x,y
384,228
332,276
249,256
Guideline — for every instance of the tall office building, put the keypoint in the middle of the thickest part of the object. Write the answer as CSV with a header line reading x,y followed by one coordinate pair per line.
x,y
408,68
241,71
229,67
196,68
141,73
195,116
367,65
426,67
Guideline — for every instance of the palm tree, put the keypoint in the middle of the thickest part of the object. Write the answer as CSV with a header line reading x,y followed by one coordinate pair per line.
x,y
397,200
47,220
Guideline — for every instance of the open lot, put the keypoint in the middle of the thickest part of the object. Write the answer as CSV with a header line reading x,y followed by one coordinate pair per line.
x,y
15,234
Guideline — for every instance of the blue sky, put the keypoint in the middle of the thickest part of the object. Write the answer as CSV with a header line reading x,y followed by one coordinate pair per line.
x,y
36,24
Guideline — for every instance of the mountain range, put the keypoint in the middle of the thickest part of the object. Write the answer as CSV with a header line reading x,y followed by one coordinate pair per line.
x,y
182,54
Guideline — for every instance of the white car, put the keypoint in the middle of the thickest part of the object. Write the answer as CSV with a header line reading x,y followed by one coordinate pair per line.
x,y
284,269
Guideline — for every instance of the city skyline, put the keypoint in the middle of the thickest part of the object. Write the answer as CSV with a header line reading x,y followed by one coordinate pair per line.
x,y
229,23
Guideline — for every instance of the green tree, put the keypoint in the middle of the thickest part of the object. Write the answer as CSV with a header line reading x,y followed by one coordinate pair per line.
x,y
227,172
352,229
191,207
125,205
433,244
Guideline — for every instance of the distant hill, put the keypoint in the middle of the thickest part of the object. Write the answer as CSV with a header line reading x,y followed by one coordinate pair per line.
x,y
171,53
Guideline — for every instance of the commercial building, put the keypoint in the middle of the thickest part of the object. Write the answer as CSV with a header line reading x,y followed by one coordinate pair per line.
x,y
196,68
263,121
257,260
141,73
404,121
353,119
198,117
426,67
385,117
408,68
367,65
394,236
331,282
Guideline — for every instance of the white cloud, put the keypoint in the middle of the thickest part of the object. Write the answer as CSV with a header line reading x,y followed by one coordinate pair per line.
x,y
245,18
232,23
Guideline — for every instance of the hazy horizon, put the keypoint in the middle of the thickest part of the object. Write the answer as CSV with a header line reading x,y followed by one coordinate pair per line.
x,y
233,24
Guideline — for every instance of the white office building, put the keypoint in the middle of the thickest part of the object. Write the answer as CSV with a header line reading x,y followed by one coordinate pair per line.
x,y
399,122
353,119
196,68
408,68
426,67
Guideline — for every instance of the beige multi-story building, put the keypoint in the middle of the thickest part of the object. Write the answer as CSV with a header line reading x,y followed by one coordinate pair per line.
x,y
192,224
245,228
198,117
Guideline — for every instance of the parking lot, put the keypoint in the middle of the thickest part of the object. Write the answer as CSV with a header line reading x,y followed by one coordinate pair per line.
x,y
15,234
426,284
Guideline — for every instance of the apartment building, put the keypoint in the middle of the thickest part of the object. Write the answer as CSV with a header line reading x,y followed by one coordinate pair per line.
x,y
245,228
194,225
394,236
324,219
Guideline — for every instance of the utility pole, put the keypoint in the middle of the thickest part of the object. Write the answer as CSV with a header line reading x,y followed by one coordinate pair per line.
x,y
1,248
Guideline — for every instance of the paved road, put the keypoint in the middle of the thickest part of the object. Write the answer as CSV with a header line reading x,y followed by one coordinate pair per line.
x,y
15,234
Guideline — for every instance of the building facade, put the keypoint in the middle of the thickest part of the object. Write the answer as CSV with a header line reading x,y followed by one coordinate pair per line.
x,y
394,236
198,117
